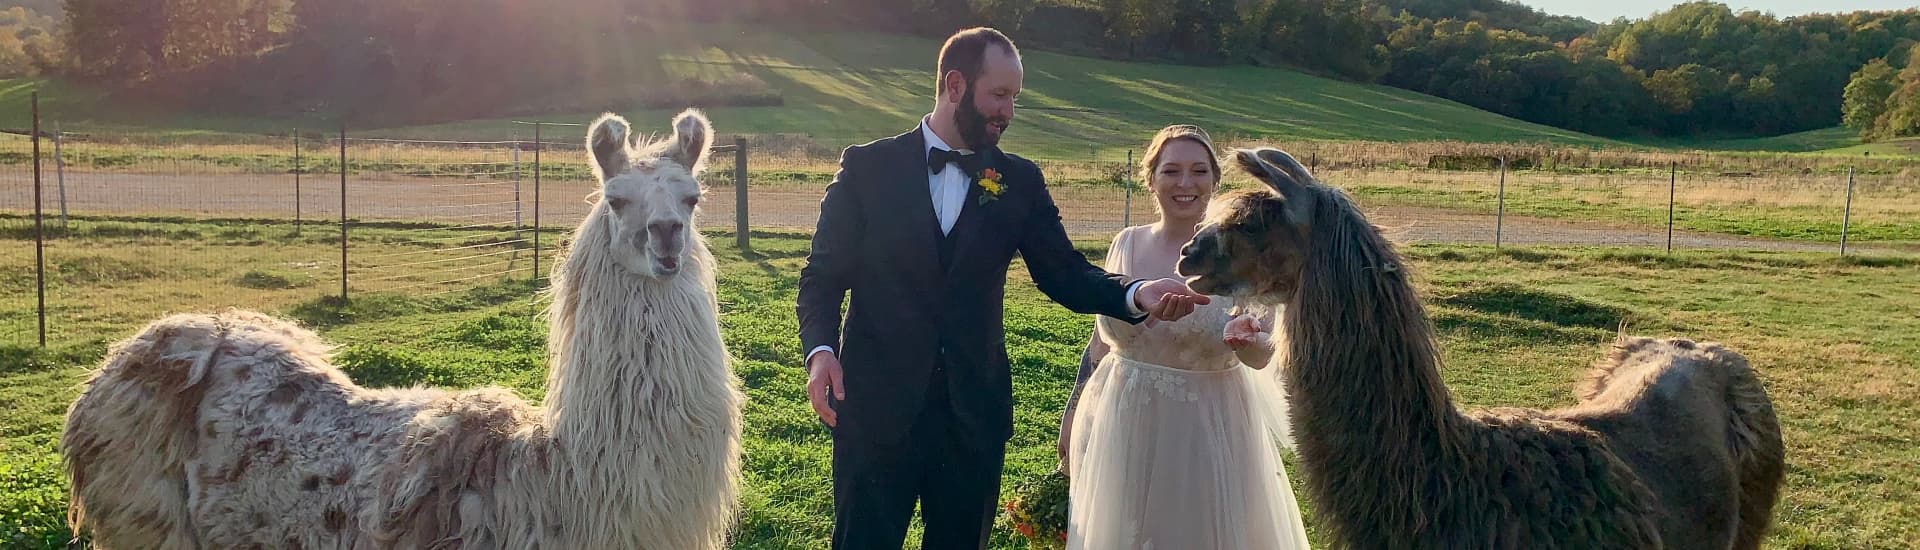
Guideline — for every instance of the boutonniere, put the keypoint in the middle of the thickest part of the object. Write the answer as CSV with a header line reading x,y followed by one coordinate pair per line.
x,y
990,186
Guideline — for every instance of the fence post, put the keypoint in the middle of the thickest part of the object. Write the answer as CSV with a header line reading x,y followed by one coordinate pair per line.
x,y
343,211
1673,181
296,181
1846,218
60,173
740,225
537,147
1126,216
39,229
516,188
1500,212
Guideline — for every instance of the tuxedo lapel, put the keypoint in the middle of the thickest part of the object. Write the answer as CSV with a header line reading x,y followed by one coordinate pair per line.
x,y
910,163
964,228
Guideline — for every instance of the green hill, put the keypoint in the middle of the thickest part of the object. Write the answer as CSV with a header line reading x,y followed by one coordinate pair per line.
x,y
844,88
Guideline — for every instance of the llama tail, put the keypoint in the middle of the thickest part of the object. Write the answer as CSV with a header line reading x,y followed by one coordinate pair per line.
x,y
1753,437
129,434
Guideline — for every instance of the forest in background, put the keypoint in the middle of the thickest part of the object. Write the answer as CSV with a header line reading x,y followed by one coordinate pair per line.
x,y
1697,70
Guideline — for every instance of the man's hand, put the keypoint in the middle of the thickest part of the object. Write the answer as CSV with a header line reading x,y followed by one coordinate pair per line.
x,y
1168,299
823,375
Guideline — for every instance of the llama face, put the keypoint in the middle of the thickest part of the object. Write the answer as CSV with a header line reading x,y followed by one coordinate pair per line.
x,y
1254,243
649,193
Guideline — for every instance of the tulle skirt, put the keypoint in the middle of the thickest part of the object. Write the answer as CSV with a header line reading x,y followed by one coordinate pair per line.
x,y
1166,458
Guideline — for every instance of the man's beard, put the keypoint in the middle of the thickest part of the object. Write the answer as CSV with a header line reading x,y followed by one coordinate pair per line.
x,y
973,123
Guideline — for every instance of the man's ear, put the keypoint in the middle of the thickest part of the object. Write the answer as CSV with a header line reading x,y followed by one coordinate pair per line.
x,y
954,84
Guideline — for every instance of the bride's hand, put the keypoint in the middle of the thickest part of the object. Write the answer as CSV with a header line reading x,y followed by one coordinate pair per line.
x,y
1246,330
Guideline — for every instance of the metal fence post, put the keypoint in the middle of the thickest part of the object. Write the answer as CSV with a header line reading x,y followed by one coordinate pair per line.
x,y
39,229
296,181
1846,219
1673,181
343,211
1500,212
516,188
740,218
537,147
60,173
1126,215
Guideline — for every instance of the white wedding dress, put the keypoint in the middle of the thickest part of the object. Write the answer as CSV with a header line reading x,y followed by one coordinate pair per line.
x,y
1175,445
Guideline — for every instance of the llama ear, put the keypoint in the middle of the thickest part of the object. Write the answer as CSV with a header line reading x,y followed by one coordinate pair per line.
x,y
692,136
1254,164
607,147
1286,163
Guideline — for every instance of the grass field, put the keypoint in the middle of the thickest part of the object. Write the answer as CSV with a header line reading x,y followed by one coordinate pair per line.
x,y
1833,338
846,88
1836,140
1790,207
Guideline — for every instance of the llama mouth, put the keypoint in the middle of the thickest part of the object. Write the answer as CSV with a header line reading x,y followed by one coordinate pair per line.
x,y
666,265
1201,284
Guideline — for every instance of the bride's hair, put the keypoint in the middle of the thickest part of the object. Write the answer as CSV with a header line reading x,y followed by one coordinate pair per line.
x,y
1168,135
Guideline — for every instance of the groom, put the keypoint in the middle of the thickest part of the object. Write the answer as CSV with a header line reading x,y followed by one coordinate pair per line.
x,y
920,228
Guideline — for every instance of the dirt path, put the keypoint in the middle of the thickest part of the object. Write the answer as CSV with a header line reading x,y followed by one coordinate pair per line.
x,y
1086,212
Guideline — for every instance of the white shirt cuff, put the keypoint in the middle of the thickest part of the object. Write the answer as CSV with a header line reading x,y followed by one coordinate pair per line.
x,y
816,351
1132,306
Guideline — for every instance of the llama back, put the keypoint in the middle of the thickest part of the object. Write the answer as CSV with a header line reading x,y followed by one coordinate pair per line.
x,y
223,429
132,435
1648,391
1570,489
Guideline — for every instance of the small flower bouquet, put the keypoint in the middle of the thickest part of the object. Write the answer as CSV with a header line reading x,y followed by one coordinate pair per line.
x,y
1038,510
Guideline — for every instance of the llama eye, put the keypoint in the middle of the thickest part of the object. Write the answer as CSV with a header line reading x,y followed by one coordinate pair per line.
x,y
616,203
692,202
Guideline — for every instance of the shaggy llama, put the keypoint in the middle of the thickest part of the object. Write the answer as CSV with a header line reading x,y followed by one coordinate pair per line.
x,y
1673,444
232,430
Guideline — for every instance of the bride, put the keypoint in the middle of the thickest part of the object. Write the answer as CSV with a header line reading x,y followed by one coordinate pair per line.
x,y
1174,443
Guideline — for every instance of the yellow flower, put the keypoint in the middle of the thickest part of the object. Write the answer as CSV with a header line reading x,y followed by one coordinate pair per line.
x,y
990,182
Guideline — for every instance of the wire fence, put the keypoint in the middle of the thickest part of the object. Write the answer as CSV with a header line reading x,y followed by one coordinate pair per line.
x,y
129,229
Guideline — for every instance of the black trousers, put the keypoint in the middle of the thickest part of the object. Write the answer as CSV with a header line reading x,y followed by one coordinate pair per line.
x,y
954,477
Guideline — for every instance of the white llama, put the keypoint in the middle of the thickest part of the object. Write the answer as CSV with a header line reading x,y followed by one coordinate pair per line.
x,y
232,430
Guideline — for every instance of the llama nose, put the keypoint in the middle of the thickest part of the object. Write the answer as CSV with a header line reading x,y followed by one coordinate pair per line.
x,y
664,232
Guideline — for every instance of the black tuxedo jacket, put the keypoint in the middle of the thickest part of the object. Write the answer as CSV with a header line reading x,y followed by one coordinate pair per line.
x,y
924,303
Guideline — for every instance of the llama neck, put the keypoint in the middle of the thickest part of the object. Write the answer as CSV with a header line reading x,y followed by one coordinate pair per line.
x,y
1371,411
625,348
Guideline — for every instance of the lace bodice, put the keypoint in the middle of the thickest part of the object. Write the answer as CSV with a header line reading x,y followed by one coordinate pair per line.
x,y
1192,343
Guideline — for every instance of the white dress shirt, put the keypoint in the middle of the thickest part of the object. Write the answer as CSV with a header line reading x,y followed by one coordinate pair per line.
x,y
949,191
949,187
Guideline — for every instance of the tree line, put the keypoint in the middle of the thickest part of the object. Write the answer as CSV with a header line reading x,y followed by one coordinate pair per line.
x,y
1697,69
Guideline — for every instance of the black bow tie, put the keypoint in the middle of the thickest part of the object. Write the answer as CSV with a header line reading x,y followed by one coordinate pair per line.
x,y
938,158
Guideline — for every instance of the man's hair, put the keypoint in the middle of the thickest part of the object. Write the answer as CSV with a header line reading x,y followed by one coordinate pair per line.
x,y
966,51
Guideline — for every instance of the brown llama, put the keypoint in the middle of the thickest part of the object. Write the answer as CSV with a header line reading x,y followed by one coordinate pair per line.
x,y
234,430
1673,444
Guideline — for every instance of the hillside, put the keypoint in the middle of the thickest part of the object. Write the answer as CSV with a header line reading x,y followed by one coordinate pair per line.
x,y
844,88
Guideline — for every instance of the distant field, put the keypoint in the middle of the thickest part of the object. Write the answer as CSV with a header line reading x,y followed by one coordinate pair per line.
x,y
1827,141
1518,327
836,89
845,88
